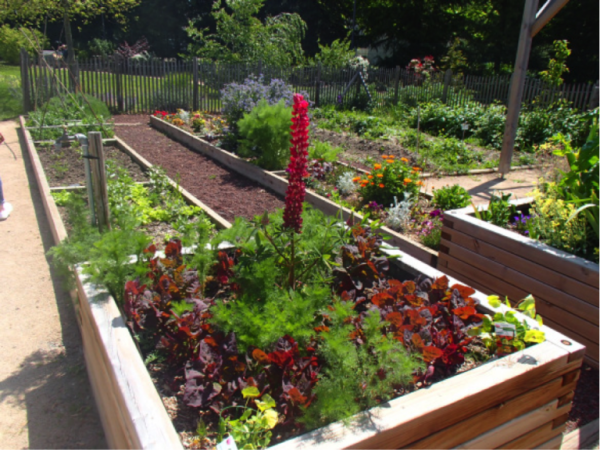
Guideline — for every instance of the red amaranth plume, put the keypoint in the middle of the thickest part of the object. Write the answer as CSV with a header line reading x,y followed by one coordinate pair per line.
x,y
294,195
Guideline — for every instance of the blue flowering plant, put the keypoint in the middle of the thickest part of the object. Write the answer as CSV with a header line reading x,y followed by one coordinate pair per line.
x,y
239,99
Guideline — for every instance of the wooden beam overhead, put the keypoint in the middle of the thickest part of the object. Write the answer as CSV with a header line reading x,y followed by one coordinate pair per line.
x,y
545,14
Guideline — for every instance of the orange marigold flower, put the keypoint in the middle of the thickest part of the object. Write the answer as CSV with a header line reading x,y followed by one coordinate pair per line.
x,y
384,156
356,179
419,183
372,184
404,160
381,185
370,177
416,169
377,166
391,156
407,180
379,175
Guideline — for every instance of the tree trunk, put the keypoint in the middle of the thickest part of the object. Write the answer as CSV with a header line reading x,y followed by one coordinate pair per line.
x,y
73,75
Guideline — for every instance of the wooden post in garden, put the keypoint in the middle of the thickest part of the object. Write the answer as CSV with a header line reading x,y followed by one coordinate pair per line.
x,y
99,188
318,85
517,83
531,24
195,105
396,84
447,81
25,85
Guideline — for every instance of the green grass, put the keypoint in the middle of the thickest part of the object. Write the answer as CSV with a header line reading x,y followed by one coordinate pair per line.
x,y
10,92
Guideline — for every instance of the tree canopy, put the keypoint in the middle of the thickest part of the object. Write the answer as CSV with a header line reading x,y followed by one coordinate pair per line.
x,y
484,32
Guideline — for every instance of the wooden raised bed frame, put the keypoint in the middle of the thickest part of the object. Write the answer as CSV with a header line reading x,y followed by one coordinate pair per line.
x,y
519,401
279,185
496,260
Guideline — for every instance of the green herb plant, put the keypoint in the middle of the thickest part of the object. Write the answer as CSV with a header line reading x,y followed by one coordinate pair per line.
x,y
451,197
499,210
252,430
504,333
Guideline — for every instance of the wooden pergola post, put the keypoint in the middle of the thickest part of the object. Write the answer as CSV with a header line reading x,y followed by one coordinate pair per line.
x,y
532,23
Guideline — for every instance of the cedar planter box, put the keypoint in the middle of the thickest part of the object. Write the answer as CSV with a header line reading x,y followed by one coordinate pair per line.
x,y
495,260
279,185
519,401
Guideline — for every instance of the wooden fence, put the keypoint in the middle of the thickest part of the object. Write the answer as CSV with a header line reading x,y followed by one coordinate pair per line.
x,y
133,86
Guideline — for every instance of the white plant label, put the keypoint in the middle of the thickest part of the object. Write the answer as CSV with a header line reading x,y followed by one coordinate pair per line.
x,y
227,444
505,329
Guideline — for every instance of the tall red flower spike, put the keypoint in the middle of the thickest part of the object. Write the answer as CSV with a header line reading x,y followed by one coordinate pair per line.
x,y
294,195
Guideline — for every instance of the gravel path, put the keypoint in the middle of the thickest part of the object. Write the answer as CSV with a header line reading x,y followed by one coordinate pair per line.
x,y
45,396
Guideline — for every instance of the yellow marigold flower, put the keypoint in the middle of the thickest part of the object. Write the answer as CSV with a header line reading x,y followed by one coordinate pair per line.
x,y
404,160
407,180
377,166
381,185
379,175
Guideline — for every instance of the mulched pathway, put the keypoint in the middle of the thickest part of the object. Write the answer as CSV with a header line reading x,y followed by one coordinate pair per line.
x,y
228,193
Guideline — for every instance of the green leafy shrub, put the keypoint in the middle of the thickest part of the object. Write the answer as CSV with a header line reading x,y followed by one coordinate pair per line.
x,y
536,125
74,110
101,47
265,134
13,39
451,197
323,151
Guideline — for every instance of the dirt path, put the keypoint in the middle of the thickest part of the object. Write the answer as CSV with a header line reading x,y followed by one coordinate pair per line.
x,y
519,182
45,396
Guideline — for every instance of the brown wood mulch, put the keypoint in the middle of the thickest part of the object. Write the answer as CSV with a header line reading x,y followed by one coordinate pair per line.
x,y
228,193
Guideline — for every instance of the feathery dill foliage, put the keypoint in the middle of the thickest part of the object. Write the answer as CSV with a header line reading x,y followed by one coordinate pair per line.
x,y
266,307
108,256
357,376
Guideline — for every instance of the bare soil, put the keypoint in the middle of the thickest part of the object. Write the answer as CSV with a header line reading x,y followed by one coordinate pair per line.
x,y
65,167
357,150
227,192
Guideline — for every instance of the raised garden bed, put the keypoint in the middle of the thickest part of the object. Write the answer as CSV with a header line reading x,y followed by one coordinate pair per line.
x,y
64,167
496,260
519,401
279,185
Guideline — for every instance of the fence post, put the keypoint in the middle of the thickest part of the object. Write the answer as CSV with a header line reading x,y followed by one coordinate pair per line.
x,y
25,81
99,187
119,72
259,67
447,81
594,97
396,84
195,106
318,85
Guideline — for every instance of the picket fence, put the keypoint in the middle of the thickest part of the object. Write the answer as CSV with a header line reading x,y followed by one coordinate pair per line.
x,y
131,86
